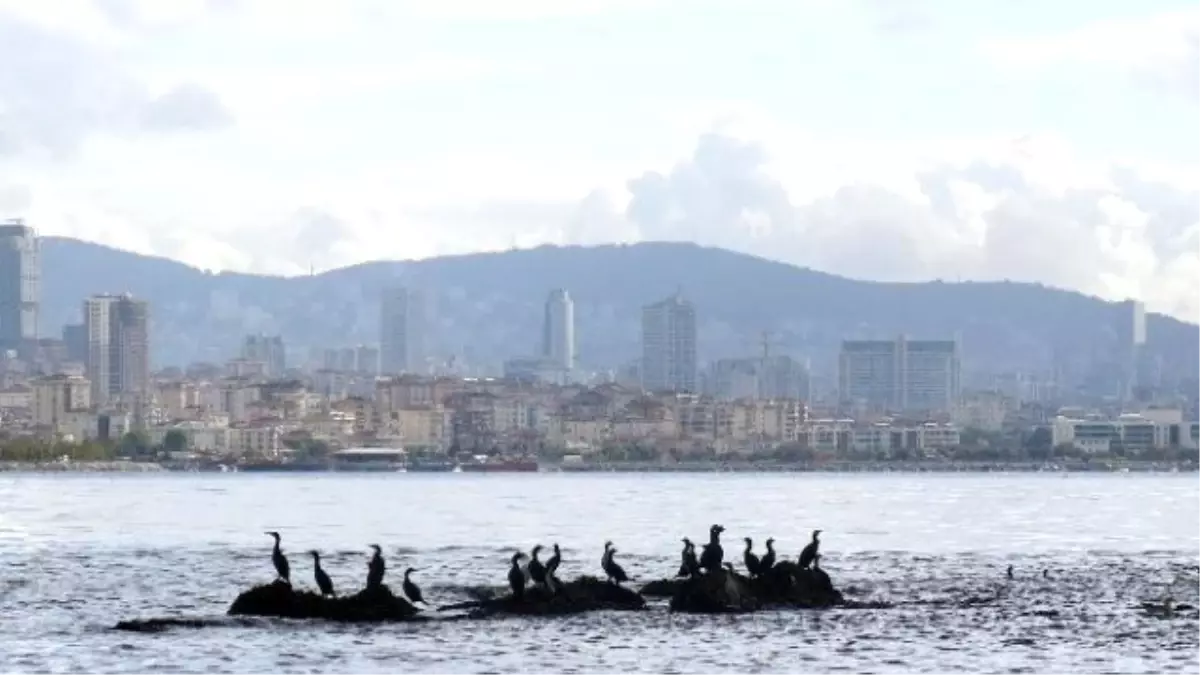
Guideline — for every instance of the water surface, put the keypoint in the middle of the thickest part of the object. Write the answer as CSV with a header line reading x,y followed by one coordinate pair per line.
x,y
78,553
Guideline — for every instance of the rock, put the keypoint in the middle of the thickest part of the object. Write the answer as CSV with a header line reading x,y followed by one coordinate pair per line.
x,y
278,599
661,588
786,585
584,594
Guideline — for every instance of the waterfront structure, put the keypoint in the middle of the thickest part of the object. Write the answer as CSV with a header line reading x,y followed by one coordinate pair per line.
x,y
20,285
118,354
558,331
669,345
1130,433
402,331
268,350
900,375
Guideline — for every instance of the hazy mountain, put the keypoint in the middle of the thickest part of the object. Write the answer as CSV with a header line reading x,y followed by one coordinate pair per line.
x,y
489,306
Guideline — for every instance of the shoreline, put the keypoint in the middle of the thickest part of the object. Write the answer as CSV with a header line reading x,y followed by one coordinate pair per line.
x,y
125,466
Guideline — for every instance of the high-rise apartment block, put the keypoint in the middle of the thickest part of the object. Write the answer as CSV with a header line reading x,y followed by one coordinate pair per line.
x,y
558,331
118,354
669,345
402,331
20,286
268,350
900,375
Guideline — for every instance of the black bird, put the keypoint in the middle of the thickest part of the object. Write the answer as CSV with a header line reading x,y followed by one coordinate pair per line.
x,y
323,582
554,561
537,571
810,552
516,576
411,590
687,564
768,560
375,568
713,555
615,572
751,560
280,561
1045,574
1009,572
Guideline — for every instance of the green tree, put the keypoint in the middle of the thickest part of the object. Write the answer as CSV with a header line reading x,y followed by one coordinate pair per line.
x,y
175,441
135,444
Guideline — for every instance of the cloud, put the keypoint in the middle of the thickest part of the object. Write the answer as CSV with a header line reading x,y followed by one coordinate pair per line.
x,y
1161,51
56,89
187,106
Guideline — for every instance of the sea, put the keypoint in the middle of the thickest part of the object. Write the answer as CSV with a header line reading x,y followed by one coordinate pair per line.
x,y
78,553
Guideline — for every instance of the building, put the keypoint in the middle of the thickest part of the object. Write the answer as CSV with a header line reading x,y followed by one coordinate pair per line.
x,y
669,346
118,356
768,377
74,336
402,331
1129,433
268,350
20,285
558,331
1130,328
900,375
57,398
367,359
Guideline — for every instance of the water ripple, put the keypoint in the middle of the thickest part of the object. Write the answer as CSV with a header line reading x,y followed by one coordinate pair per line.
x,y
934,548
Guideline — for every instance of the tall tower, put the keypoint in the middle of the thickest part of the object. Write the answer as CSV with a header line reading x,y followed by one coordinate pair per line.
x,y
669,345
558,332
118,347
20,285
402,331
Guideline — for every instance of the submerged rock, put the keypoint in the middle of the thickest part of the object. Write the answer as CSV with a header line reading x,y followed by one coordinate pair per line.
x,y
584,594
278,599
724,591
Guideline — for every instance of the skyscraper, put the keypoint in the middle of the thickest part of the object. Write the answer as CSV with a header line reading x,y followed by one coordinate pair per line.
x,y
402,331
20,286
669,345
1130,328
558,332
118,356
901,374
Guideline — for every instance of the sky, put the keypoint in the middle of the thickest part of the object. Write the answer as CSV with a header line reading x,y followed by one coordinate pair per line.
x,y
894,140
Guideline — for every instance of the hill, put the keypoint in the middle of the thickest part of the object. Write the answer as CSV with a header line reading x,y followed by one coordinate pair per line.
x,y
488,306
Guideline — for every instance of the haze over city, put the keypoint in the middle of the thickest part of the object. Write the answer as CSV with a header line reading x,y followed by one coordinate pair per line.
x,y
880,140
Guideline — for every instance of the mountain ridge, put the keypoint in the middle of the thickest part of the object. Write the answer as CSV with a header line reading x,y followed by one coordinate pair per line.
x,y
488,305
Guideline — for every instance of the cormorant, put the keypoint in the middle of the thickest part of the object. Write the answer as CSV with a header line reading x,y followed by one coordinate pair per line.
x,y
1045,573
615,572
411,590
537,571
554,561
516,576
280,561
323,582
810,552
751,560
1009,572
375,568
768,560
687,564
713,555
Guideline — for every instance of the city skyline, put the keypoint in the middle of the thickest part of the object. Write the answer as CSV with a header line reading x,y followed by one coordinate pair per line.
x,y
975,151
